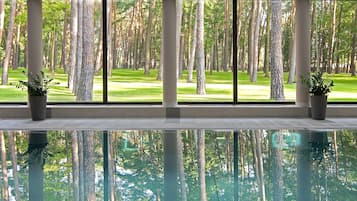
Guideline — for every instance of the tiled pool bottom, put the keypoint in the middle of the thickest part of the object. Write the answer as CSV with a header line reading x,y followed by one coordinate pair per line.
x,y
187,164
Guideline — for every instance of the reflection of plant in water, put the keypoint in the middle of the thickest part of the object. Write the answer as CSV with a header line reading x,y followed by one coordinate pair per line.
x,y
320,150
37,154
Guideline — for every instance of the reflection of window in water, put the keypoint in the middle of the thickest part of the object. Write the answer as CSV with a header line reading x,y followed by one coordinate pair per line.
x,y
128,145
289,139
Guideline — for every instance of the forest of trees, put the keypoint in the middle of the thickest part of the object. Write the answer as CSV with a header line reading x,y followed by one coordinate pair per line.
x,y
72,35
271,164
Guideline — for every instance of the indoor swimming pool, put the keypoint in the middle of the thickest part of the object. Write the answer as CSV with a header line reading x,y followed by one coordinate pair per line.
x,y
184,164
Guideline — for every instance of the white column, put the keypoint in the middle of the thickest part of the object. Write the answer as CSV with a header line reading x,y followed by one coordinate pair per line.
x,y
34,38
169,40
303,43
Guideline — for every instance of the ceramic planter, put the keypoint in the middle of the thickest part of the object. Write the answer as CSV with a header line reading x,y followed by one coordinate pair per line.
x,y
38,107
318,107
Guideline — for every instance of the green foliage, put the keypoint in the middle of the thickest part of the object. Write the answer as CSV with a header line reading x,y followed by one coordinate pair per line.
x,y
38,85
318,85
124,5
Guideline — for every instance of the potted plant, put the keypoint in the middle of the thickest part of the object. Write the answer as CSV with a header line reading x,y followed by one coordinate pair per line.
x,y
37,88
318,89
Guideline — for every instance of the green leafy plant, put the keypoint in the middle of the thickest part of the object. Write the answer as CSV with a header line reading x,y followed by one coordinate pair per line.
x,y
38,86
318,85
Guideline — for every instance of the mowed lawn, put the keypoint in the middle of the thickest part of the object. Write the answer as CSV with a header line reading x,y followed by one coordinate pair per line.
x,y
126,85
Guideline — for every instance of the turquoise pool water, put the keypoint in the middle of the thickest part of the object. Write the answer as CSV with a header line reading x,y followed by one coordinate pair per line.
x,y
181,164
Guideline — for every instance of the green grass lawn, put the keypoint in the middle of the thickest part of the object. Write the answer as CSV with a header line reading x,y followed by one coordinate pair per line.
x,y
126,85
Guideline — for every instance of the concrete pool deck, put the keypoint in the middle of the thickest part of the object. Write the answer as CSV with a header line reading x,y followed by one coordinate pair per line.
x,y
183,123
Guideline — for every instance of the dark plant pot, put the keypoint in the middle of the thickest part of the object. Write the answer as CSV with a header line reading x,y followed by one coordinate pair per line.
x,y
318,107
38,107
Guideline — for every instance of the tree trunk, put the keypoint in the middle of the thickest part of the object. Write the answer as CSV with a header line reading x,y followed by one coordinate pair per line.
x,y
178,32
180,164
332,36
200,69
202,164
277,157
64,45
111,168
53,51
337,67
148,39
354,44
89,166
85,88
2,18
79,56
214,50
5,178
252,41
99,55
335,148
189,31
13,153
331,48
292,50
229,152
75,166
255,156
68,151
254,73
266,67
17,49
115,38
260,165
10,32
193,52
277,74
109,38
81,179
181,63
73,43
161,65
227,45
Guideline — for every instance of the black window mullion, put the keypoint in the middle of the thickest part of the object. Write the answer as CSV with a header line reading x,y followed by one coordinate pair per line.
x,y
105,50
235,50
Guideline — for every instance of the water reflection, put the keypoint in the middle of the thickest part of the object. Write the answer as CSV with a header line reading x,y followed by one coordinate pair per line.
x,y
37,155
183,164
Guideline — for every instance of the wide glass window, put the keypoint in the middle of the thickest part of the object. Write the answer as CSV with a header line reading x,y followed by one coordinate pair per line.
x,y
73,50
134,49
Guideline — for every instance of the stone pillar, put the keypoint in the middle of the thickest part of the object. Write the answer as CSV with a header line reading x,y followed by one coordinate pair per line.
x,y
303,44
169,40
34,38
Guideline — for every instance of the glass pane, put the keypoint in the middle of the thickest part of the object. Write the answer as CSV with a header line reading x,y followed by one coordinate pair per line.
x,y
134,48
61,59
333,44
211,58
12,50
262,76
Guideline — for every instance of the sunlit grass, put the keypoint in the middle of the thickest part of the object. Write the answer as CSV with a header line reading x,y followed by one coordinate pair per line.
x,y
127,85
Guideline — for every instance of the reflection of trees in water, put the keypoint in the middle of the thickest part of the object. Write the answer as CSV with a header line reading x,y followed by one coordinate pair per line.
x,y
308,171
